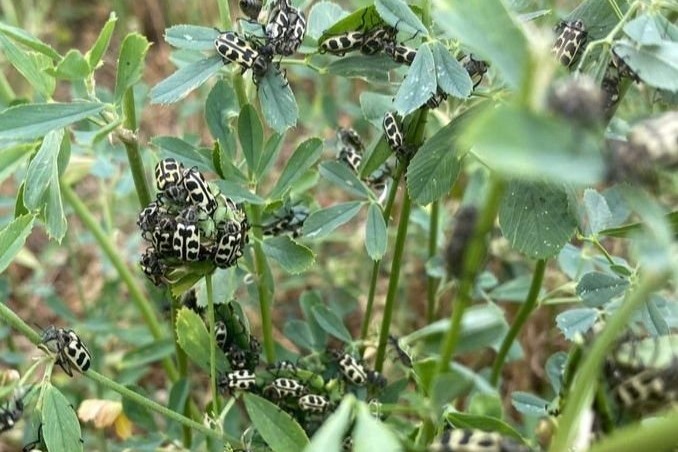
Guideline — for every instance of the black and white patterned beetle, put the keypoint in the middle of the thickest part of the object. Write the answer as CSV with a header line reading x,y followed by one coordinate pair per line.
x,y
394,135
152,267
251,8
476,441
148,217
349,137
242,380
313,403
342,43
220,334
168,172
352,370
374,40
228,245
71,352
571,37
9,416
291,221
351,157
234,49
476,69
285,387
199,192
163,236
400,53
186,242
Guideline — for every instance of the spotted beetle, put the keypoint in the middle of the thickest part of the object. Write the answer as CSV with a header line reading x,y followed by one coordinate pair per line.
x,y
291,221
234,49
163,235
476,69
352,370
251,8
476,441
374,40
168,172
186,241
228,245
436,99
9,416
285,387
199,192
153,268
313,403
400,53
242,380
342,43
571,37
148,217
71,352
349,137
394,135
351,157
220,334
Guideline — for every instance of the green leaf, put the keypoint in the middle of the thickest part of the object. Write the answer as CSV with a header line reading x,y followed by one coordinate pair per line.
x,y
194,339
491,32
596,289
420,83
237,192
435,166
191,37
13,157
370,434
518,142
178,395
374,106
12,239
280,431
278,104
536,218
29,41
219,107
100,46
529,404
308,300
74,66
576,321
555,367
330,435
60,426
331,323
294,257
35,120
398,14
130,63
598,213
371,68
360,19
268,157
654,318
322,15
486,423
375,156
301,160
42,170
344,177
251,135
451,75
322,222
656,65
186,153
31,65
375,232
650,28
299,333
182,82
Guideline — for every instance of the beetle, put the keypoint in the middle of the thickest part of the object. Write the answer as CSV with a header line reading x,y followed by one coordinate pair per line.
x,y
436,99
186,241
342,43
168,172
476,441
402,356
476,69
374,39
351,157
571,37
153,268
285,387
242,380
400,53
295,34
148,217
313,403
251,8
352,370
220,334
163,235
291,221
199,192
9,416
234,49
350,138
393,133
71,352
228,244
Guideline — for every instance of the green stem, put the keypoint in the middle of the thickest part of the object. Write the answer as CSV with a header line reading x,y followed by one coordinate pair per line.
x,y
141,302
213,344
393,281
523,314
584,382
13,320
367,318
660,434
154,406
132,146
263,286
432,282
472,261
224,14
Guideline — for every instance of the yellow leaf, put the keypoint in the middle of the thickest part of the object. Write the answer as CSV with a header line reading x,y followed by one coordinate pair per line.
x,y
123,427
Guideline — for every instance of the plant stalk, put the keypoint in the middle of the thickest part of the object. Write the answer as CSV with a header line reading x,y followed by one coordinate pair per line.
x,y
140,301
213,344
523,314
136,163
660,434
584,382
432,282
